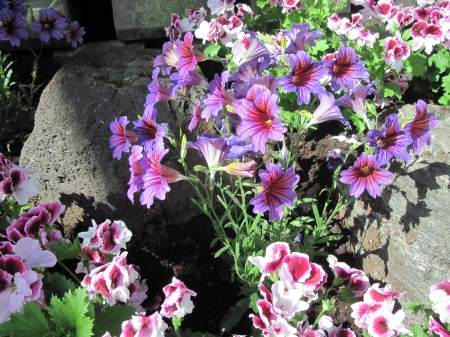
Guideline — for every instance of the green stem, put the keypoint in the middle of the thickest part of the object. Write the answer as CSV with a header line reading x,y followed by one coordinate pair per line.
x,y
69,271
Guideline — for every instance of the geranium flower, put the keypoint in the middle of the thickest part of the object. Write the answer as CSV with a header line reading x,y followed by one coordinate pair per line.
x,y
437,328
383,323
137,326
75,35
366,174
419,129
219,7
296,268
345,69
12,26
178,300
32,254
390,142
397,50
440,298
49,25
18,186
304,78
259,119
273,259
122,138
271,323
189,57
277,190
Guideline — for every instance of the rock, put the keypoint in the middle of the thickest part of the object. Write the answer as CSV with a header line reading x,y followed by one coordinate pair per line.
x,y
143,19
402,237
69,147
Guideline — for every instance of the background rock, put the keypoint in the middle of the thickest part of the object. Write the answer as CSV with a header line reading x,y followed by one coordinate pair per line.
x,y
402,237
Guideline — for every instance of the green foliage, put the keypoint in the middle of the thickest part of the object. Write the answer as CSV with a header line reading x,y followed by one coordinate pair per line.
x,y
30,323
58,286
64,250
110,319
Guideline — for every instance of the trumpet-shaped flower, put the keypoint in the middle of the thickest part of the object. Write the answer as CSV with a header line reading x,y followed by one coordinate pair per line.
x,y
189,57
169,58
277,191
158,93
390,142
304,78
419,129
122,138
365,174
218,97
357,100
147,130
327,111
300,36
259,119
242,169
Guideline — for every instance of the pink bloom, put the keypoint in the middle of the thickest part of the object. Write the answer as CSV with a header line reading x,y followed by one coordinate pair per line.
x,y
277,191
189,57
440,298
287,300
242,169
169,58
271,323
296,268
380,295
384,323
157,94
148,326
18,185
438,328
419,129
275,255
218,98
396,51
121,139
366,174
362,312
425,35
178,300
148,131
340,269
32,254
219,7
327,111
196,116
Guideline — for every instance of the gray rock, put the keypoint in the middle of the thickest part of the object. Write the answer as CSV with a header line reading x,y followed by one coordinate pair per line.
x,y
402,237
69,147
143,19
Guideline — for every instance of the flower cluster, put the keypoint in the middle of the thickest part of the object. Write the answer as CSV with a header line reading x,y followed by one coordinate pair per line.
x,y
15,182
49,25
440,298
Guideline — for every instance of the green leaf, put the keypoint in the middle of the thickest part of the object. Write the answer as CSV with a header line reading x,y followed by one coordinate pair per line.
x,y
59,285
220,251
446,83
30,323
416,64
440,61
110,319
391,89
232,318
418,331
70,313
64,250
262,3
212,49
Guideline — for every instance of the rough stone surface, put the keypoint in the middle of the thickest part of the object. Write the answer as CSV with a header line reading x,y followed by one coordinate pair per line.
x,y
143,19
69,147
402,237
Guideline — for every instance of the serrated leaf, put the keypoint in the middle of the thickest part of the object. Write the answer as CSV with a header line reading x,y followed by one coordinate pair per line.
x,y
440,61
59,285
393,89
30,323
64,250
446,83
111,318
70,313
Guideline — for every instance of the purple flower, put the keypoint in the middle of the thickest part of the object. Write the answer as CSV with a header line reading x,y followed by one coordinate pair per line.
x,y
196,116
192,78
327,111
247,71
345,69
357,100
365,174
277,190
248,48
390,142
218,97
12,26
189,57
304,78
16,6
147,130
158,93
214,149
334,159
75,35
49,25
259,119
419,129
300,36
4,4
169,58
122,138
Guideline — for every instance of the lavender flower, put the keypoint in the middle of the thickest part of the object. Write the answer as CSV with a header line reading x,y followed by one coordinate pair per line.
x,y
327,111
147,130
122,138
357,100
300,36
75,35
16,6
49,24
218,97
12,26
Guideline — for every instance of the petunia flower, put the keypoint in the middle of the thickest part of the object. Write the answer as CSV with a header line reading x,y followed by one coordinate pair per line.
x,y
390,142
75,35
300,36
122,138
327,111
189,57
365,174
304,78
49,24
12,26
419,129
169,58
147,130
218,98
277,191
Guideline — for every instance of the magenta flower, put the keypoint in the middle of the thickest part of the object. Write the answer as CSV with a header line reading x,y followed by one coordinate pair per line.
x,y
218,97
345,69
247,71
178,300
193,78
152,325
49,24
122,138
366,174
248,48
419,129
169,58
147,130
12,26
277,190
158,93
300,36
75,35
304,78
437,328
259,119
357,100
390,142
327,111
273,259
296,268
189,57
196,116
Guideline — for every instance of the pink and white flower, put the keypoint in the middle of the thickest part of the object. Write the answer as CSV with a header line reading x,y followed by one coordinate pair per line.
x,y
274,258
440,298
178,300
148,326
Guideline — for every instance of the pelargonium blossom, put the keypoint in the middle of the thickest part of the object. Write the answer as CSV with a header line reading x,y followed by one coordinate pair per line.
x,y
273,259
152,325
49,24
277,191
437,328
419,129
440,298
304,78
365,174
12,26
178,300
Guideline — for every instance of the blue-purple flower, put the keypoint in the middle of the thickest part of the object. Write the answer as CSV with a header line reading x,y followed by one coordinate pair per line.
x,y
304,78
12,26
122,138
334,159
158,93
49,24
147,130
365,174
276,191
357,100
75,35
419,129
327,111
16,6
218,97
390,142
300,36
